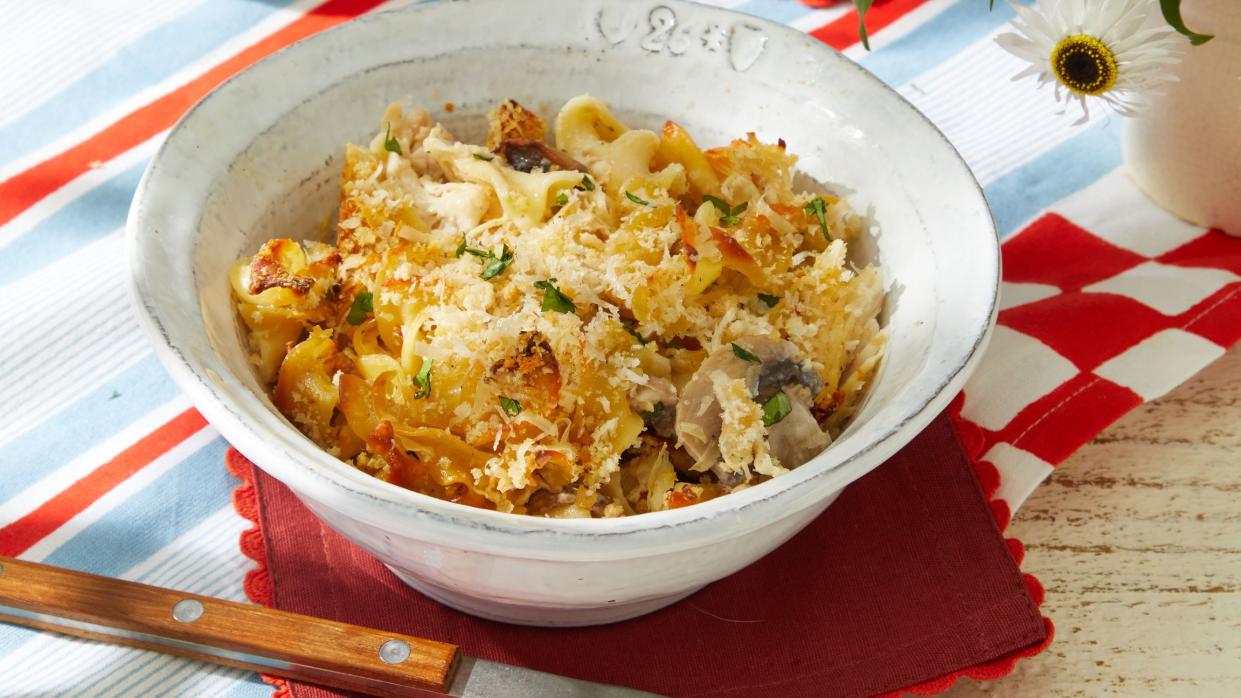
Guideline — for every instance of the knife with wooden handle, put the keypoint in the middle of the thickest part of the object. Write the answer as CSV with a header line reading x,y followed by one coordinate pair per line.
x,y
266,640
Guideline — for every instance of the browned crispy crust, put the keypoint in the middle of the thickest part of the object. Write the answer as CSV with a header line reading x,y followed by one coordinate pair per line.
x,y
512,122
532,369
266,271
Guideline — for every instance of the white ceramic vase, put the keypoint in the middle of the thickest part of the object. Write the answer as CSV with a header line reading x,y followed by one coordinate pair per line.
x,y
1184,150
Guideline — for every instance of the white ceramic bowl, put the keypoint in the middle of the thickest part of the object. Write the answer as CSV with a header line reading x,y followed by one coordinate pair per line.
x,y
260,156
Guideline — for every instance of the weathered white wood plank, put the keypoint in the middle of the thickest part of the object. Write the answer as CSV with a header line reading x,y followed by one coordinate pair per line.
x,y
1137,539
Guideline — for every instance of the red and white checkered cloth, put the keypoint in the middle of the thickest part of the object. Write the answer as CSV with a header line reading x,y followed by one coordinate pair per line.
x,y
1107,302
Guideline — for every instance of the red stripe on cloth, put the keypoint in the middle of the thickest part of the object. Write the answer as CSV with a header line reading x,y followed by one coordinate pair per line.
x,y
26,188
17,537
842,32
1054,251
1116,324
1062,421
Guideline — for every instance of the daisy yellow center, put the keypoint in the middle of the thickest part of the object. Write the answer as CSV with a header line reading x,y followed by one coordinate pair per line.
x,y
1084,64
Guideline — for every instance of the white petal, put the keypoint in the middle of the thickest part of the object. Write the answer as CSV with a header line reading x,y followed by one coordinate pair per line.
x,y
1029,70
1085,111
1106,18
1020,47
1040,26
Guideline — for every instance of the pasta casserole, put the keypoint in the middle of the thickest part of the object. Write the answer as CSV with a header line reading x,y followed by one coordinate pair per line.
x,y
612,322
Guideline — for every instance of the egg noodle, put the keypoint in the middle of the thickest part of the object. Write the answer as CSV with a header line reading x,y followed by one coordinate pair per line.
x,y
619,324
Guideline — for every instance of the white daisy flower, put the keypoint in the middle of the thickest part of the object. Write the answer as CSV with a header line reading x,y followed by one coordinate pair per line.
x,y
1094,49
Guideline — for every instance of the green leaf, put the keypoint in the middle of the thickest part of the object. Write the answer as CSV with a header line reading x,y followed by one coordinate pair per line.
x,y
422,381
631,326
484,157
863,6
586,184
818,208
636,200
553,299
776,408
562,199
390,144
478,253
720,205
744,355
730,215
115,394
461,246
1172,13
510,406
769,299
497,265
656,410
363,303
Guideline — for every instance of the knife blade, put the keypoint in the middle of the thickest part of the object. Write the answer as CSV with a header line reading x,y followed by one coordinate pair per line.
x,y
270,641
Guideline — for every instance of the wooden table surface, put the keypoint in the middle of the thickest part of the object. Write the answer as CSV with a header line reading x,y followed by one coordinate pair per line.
x,y
1137,539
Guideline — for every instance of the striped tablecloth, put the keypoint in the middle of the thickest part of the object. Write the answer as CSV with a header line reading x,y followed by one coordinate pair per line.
x,y
104,465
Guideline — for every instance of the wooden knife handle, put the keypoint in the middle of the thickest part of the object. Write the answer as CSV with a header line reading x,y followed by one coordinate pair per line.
x,y
239,635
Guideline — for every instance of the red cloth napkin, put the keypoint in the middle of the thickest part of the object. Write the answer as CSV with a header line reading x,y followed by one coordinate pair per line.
x,y
904,583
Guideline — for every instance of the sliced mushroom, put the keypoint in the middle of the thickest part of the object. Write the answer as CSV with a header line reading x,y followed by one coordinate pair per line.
x,y
792,441
797,438
656,402
527,156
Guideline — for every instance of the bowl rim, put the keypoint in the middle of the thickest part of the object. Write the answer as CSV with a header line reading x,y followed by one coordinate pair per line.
x,y
292,459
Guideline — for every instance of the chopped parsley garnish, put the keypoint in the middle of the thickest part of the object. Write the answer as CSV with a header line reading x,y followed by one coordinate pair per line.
x,y
768,299
562,199
422,381
492,265
656,410
390,144
587,184
363,303
484,157
631,326
510,406
553,299
636,200
497,265
776,408
741,353
729,214
818,208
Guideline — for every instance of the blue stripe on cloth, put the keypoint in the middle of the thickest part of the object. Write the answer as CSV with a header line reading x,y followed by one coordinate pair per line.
x,y
149,60
145,523
154,516
935,41
776,10
97,212
79,427
252,687
1071,166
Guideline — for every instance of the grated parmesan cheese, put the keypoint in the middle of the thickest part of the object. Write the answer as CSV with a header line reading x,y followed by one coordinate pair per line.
x,y
645,278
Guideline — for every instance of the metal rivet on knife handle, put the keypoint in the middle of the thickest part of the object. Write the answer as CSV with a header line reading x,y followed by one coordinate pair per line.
x,y
187,610
394,651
